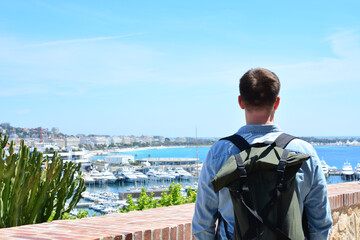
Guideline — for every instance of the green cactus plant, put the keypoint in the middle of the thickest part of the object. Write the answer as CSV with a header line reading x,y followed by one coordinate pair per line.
x,y
32,188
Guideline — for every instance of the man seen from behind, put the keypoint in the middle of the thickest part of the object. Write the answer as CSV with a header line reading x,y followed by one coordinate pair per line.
x,y
259,89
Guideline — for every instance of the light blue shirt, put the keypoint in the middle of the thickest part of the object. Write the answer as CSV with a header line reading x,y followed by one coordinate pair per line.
x,y
310,186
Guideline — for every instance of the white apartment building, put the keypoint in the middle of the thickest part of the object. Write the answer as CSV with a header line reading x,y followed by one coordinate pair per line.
x,y
85,140
100,140
72,141
60,142
116,139
146,139
159,139
181,139
119,159
128,140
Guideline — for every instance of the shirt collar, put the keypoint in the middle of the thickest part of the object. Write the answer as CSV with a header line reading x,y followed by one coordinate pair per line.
x,y
259,129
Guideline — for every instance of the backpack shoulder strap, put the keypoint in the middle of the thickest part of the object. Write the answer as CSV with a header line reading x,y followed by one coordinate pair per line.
x,y
238,141
283,140
241,144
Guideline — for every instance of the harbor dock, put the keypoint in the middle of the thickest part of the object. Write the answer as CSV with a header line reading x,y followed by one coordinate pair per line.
x,y
136,193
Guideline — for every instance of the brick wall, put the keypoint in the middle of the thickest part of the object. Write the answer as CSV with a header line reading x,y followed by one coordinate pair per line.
x,y
175,222
345,203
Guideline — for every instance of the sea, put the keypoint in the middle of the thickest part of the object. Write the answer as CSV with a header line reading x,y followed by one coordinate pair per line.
x,y
334,156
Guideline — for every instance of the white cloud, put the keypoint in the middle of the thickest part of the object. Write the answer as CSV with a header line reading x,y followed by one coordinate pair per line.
x,y
346,44
80,40
23,111
70,63
17,91
341,68
71,66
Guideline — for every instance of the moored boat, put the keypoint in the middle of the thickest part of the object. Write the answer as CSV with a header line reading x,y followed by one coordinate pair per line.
x,y
183,175
325,168
109,176
357,171
347,170
97,176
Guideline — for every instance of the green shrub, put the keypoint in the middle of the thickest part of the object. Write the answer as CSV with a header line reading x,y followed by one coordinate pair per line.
x,y
191,195
145,202
131,204
172,197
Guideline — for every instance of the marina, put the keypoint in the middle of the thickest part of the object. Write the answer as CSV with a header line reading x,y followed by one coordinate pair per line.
x,y
169,165
109,198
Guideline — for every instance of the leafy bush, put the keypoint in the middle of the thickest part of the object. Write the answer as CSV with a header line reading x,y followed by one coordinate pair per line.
x,y
191,195
145,202
131,204
173,197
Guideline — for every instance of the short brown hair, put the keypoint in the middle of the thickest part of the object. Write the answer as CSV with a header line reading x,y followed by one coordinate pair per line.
x,y
259,87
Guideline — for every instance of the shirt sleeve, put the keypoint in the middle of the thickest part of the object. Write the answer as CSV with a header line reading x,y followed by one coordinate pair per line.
x,y
316,204
207,201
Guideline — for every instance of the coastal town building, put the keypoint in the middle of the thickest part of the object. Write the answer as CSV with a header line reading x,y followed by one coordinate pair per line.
x,y
85,140
116,139
181,139
128,140
34,136
119,159
59,141
160,139
72,142
100,140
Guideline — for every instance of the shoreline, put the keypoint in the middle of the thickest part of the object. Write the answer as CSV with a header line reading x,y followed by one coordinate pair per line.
x,y
132,149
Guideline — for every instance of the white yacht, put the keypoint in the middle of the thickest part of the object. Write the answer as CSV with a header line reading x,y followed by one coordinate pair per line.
x,y
347,170
165,176
88,179
357,170
184,175
97,176
109,176
129,176
325,168
153,175
140,177
171,172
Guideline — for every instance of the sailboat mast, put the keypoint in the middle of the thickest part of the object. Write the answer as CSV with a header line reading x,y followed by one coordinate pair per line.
x,y
197,153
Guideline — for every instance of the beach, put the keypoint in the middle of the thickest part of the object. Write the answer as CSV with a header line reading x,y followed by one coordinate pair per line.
x,y
133,149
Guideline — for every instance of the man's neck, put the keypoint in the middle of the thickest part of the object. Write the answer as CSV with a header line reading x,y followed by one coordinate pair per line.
x,y
259,118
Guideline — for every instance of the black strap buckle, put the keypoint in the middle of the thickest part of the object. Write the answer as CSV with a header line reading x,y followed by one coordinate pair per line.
x,y
280,184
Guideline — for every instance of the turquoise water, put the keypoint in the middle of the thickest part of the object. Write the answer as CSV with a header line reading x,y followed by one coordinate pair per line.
x,y
333,155
183,152
337,155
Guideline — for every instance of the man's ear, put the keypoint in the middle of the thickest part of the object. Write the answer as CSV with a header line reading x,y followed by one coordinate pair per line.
x,y
241,103
277,102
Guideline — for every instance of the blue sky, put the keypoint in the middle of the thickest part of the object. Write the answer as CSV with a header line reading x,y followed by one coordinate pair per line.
x,y
164,67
